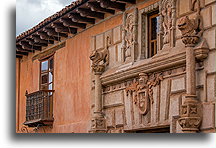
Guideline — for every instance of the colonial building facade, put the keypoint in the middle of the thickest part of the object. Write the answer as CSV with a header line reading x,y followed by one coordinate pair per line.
x,y
119,66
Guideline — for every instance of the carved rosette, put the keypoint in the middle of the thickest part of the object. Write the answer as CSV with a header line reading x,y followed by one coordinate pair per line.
x,y
168,21
142,92
130,35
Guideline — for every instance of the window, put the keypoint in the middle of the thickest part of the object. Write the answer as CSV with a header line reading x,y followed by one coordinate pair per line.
x,y
153,29
46,74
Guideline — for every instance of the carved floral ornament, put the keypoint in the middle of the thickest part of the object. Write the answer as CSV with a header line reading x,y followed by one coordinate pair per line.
x,y
141,91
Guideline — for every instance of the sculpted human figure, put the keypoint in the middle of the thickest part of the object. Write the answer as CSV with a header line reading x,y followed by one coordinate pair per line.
x,y
167,20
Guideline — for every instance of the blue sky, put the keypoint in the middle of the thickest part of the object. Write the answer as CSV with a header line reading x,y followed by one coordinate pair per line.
x,y
31,12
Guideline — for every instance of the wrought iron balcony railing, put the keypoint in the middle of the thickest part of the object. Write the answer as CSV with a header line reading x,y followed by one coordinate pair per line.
x,y
39,108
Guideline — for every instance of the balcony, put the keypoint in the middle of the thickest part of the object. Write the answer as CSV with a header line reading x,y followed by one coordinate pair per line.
x,y
39,108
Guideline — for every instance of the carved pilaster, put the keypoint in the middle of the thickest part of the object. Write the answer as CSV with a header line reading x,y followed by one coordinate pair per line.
x,y
191,30
130,36
100,59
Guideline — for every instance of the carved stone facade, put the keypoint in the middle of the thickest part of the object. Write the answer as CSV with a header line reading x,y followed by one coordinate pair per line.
x,y
157,94
105,78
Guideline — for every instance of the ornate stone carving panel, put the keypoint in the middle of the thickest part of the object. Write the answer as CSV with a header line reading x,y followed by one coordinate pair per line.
x,y
167,23
129,35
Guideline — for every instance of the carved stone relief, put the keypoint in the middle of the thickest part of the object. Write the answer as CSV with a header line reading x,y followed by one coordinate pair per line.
x,y
191,29
100,58
167,22
142,92
130,32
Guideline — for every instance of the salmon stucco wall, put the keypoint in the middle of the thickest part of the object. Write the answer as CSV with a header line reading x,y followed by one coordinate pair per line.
x,y
72,99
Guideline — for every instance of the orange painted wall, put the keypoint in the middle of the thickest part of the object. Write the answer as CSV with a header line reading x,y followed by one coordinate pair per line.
x,y
71,81
72,71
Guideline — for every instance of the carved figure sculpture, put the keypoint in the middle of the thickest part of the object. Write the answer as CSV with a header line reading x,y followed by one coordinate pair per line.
x,y
166,13
100,58
167,22
191,29
129,37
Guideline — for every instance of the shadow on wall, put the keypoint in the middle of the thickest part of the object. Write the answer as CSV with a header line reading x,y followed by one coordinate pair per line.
x,y
27,138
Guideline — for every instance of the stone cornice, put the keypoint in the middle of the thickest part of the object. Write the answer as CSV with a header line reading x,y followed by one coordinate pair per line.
x,y
147,66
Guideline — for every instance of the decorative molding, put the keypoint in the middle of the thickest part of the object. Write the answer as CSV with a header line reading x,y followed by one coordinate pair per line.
x,y
130,36
146,67
141,91
48,52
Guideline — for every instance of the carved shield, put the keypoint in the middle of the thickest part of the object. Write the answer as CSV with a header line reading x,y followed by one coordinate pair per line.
x,y
143,101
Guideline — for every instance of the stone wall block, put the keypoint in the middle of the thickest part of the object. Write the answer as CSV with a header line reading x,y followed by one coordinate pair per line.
x,y
100,42
213,14
184,6
117,37
209,35
208,116
119,116
206,14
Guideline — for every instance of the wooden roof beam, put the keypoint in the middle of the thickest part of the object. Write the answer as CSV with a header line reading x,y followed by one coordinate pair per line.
x,y
19,47
87,12
111,4
77,18
45,36
94,6
59,27
21,53
37,43
51,32
26,45
125,1
37,39
19,56
69,23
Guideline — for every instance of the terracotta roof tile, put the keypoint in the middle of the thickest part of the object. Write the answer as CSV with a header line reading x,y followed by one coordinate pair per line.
x,y
50,19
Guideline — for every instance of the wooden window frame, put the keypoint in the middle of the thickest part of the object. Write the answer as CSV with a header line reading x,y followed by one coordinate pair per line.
x,y
48,71
151,52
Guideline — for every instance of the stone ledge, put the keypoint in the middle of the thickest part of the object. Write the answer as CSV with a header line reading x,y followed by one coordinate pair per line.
x,y
147,66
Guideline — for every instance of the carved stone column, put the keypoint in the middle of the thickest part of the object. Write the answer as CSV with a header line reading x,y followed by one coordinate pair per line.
x,y
98,120
191,29
191,109
100,59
